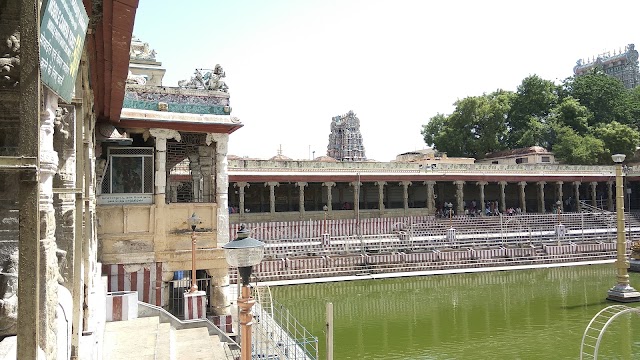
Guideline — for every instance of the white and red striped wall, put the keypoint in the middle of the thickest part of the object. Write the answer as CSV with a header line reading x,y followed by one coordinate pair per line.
x,y
146,279
195,305
224,323
122,305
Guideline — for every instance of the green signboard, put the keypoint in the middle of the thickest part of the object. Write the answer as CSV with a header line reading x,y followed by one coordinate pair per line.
x,y
62,32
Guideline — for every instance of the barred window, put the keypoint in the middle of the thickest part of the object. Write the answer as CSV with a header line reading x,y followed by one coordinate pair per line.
x,y
129,170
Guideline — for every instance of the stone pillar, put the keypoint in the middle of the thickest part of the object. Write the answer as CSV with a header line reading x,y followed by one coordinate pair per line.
x,y
222,202
523,197
405,194
431,199
482,184
610,195
64,203
503,202
272,196
206,167
381,185
594,199
173,187
356,196
49,271
541,207
459,197
576,185
560,194
220,292
301,185
329,186
196,177
160,179
241,186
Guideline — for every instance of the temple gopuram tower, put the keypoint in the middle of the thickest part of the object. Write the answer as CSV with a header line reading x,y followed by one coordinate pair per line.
x,y
345,140
622,65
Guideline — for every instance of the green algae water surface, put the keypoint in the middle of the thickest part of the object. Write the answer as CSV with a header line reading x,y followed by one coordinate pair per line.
x,y
520,314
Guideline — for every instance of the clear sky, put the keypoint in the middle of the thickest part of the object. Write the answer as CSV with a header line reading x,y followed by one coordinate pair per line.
x,y
291,65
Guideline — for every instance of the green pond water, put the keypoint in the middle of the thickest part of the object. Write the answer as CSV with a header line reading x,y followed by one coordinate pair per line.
x,y
520,314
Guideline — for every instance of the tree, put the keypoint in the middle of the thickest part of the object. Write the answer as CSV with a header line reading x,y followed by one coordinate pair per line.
x,y
527,120
605,96
617,139
476,126
433,128
573,148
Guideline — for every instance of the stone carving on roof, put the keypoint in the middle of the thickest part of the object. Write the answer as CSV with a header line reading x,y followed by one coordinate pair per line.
x,y
206,79
141,51
136,79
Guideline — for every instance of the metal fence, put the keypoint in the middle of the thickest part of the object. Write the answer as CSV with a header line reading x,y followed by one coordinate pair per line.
x,y
177,289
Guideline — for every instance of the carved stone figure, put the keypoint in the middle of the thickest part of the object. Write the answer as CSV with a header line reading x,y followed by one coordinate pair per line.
x,y
10,61
136,79
209,80
141,51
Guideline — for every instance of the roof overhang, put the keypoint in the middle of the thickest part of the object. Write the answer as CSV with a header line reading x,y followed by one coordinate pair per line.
x,y
205,123
108,43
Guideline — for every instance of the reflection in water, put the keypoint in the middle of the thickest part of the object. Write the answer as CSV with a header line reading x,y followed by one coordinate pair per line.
x,y
521,314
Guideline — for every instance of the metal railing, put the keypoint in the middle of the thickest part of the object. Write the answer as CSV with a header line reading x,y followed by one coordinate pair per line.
x,y
276,333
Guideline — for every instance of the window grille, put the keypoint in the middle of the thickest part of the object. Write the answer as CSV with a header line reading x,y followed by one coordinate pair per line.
x,y
129,170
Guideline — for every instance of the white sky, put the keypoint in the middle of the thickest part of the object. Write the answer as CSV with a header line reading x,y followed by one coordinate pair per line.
x,y
291,65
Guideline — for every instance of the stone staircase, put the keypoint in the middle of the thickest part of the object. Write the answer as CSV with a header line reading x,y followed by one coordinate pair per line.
x,y
148,338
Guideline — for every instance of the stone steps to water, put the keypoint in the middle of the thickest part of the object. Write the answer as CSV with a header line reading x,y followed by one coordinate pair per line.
x,y
147,338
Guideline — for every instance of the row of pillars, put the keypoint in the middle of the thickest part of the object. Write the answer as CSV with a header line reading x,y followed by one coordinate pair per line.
x,y
431,195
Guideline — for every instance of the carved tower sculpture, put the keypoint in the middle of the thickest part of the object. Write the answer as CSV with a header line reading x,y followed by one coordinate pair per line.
x,y
345,140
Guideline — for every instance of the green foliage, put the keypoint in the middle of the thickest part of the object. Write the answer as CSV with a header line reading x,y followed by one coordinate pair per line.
x,y
573,148
476,126
605,96
531,106
583,121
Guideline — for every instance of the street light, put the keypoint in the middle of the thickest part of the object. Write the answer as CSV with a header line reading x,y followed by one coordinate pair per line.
x,y
622,291
244,252
324,225
560,229
193,221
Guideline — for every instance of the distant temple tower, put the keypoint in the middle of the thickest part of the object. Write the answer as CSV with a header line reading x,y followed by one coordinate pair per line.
x,y
345,140
621,65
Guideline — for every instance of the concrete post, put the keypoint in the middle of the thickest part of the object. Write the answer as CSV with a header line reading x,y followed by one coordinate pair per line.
x,y
560,194
405,194
301,186
610,195
523,197
329,186
431,199
503,202
381,185
206,166
49,270
272,196
196,176
594,199
482,184
222,202
160,177
541,207
459,197
241,186
576,185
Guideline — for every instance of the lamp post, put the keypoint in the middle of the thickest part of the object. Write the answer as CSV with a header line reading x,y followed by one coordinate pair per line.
x,y
193,222
622,291
324,224
244,252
